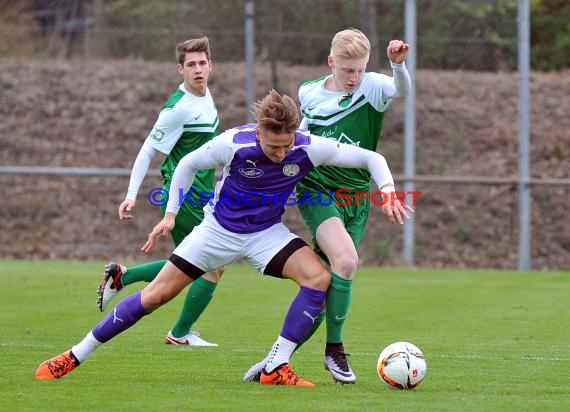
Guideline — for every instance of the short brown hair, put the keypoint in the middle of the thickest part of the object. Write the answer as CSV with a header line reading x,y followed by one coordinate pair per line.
x,y
350,44
201,44
276,113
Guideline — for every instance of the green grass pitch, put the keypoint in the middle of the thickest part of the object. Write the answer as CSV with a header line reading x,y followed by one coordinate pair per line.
x,y
493,340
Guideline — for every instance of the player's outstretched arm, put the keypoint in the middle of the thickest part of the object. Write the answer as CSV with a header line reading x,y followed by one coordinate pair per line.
x,y
327,152
138,173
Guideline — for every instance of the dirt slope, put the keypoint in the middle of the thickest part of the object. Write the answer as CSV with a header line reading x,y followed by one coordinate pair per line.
x,y
96,114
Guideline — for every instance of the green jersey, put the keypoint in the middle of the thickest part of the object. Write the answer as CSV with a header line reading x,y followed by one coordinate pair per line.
x,y
352,118
185,123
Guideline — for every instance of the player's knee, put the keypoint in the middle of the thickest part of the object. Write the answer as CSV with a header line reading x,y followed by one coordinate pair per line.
x,y
345,264
321,281
153,298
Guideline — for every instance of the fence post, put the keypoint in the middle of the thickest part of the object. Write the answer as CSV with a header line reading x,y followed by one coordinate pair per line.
x,y
410,125
249,55
524,135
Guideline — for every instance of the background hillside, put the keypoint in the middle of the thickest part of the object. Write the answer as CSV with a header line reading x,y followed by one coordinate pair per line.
x,y
97,114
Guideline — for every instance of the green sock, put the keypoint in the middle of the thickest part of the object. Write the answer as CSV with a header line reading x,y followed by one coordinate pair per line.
x,y
316,325
338,303
146,272
197,299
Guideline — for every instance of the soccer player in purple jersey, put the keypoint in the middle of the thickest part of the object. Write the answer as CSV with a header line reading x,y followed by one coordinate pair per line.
x,y
264,162
347,105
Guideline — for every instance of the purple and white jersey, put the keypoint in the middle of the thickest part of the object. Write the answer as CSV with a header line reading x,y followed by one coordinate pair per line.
x,y
252,191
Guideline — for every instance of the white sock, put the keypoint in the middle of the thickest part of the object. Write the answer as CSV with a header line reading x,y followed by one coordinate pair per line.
x,y
84,348
280,353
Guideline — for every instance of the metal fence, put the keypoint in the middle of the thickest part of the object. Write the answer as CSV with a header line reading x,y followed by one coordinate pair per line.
x,y
458,44
470,35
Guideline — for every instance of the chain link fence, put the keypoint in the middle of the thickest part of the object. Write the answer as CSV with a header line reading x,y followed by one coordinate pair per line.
x,y
467,123
469,35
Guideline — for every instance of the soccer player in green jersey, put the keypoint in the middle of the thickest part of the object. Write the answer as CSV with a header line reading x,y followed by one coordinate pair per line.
x,y
188,119
348,106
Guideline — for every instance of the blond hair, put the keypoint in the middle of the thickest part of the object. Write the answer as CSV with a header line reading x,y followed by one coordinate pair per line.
x,y
201,44
276,113
350,44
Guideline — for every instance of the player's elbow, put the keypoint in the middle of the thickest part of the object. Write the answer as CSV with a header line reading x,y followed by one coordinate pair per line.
x,y
403,91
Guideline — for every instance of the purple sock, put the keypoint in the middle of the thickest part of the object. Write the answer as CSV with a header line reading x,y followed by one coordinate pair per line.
x,y
304,309
127,312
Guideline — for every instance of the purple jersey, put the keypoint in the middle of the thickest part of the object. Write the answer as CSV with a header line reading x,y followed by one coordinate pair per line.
x,y
253,191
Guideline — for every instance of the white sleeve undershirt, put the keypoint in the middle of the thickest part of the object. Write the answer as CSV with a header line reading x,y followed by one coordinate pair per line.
x,y
216,152
400,84
140,168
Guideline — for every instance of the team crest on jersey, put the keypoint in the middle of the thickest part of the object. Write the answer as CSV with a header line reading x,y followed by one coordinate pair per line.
x,y
291,170
345,100
250,172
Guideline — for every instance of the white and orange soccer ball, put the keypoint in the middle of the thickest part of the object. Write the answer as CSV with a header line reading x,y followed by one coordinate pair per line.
x,y
402,365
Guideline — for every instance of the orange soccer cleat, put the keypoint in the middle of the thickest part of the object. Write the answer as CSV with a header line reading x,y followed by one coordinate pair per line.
x,y
57,366
283,375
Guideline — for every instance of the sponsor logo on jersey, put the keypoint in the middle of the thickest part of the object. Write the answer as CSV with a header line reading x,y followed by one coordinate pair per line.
x,y
329,133
345,139
291,169
250,172
342,139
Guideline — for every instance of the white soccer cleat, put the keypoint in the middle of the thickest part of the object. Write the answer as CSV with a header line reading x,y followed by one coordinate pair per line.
x,y
111,284
336,363
192,339
254,373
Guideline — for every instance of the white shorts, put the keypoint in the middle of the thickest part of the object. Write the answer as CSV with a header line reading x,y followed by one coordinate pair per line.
x,y
210,246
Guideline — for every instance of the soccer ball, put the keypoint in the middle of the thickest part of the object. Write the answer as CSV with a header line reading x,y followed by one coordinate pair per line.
x,y
402,365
